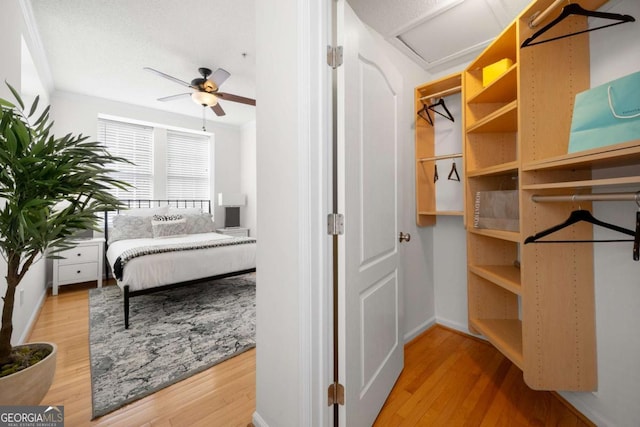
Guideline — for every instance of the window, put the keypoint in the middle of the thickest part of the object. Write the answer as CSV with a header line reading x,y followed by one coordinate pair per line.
x,y
187,165
135,143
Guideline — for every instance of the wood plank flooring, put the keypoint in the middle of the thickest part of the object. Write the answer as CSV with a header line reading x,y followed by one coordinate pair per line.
x,y
449,379
452,379
223,395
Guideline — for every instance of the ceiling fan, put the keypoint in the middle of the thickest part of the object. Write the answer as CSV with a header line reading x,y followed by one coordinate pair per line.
x,y
205,90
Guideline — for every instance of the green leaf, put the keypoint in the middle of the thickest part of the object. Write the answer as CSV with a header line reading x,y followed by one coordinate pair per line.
x,y
15,95
34,106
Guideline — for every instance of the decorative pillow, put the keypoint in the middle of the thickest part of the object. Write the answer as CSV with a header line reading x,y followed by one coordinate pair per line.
x,y
130,227
160,210
184,211
200,223
168,225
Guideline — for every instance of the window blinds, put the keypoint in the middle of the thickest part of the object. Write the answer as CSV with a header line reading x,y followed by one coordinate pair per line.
x,y
188,164
134,143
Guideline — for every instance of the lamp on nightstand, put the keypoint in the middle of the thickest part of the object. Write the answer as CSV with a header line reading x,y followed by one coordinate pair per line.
x,y
231,203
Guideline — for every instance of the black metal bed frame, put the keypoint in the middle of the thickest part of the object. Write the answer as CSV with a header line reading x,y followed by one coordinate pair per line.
x,y
152,203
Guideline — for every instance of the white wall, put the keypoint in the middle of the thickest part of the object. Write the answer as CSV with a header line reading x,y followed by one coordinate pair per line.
x,y
79,114
32,290
248,180
615,52
278,320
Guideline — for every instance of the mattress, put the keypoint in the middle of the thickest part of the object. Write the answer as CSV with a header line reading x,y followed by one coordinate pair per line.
x,y
153,270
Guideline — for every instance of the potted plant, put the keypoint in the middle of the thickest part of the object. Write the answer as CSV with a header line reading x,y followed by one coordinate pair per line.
x,y
50,188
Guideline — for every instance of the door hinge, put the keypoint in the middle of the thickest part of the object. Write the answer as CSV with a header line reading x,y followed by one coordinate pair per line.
x,y
335,224
334,56
336,394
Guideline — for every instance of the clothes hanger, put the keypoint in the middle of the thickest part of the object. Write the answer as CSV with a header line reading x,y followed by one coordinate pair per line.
x,y
577,216
424,113
435,173
576,9
454,170
447,116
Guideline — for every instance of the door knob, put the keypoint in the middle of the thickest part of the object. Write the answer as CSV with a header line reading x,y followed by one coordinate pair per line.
x,y
404,237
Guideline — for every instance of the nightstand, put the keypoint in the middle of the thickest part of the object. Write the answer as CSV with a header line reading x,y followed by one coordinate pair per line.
x,y
82,263
234,231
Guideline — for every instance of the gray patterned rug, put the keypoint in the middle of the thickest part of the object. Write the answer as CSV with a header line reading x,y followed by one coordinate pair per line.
x,y
172,335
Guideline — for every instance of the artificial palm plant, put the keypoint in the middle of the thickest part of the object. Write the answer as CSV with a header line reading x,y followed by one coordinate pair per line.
x,y
50,188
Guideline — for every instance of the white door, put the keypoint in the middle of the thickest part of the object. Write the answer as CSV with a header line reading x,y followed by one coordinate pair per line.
x,y
369,98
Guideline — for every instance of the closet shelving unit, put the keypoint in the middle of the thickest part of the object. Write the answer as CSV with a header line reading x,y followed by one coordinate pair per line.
x,y
536,302
425,157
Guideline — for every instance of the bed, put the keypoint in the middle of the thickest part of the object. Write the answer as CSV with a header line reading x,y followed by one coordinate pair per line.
x,y
159,244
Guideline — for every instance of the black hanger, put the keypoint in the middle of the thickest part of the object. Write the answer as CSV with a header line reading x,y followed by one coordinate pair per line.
x,y
576,9
636,239
577,216
435,173
454,170
447,116
424,113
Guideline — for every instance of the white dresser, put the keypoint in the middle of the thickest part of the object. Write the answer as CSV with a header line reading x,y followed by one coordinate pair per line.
x,y
82,263
234,231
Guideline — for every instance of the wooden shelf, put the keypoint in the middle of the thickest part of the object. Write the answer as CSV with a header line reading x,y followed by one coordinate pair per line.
x,y
511,236
425,151
505,276
503,89
505,335
502,120
624,154
501,169
591,183
445,86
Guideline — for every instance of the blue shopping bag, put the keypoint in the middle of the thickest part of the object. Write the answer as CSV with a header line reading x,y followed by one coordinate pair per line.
x,y
606,114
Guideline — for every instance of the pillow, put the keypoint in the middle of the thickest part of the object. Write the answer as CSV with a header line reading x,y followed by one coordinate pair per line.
x,y
184,211
160,210
168,226
130,227
200,223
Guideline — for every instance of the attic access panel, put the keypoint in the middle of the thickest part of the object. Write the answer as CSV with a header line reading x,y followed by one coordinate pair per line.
x,y
450,35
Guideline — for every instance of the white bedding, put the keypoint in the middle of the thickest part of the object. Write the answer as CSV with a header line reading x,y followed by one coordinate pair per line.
x,y
150,271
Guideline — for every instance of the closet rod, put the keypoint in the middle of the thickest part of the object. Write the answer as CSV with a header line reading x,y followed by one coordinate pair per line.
x,y
442,93
538,17
443,157
602,197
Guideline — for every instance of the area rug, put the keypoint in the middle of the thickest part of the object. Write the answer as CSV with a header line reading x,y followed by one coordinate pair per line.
x,y
173,334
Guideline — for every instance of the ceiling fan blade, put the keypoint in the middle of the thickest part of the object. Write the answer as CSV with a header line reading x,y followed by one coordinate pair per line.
x,y
219,76
218,110
167,76
172,97
235,98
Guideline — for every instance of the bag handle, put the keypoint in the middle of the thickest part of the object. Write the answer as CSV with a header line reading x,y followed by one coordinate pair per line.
x,y
614,111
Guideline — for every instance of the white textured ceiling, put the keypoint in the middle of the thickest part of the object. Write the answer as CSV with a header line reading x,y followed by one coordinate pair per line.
x,y
99,48
439,34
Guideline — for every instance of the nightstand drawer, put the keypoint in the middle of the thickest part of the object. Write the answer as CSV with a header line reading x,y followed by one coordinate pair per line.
x,y
79,255
78,272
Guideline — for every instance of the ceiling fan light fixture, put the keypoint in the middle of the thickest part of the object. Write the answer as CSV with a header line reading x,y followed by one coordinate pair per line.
x,y
204,98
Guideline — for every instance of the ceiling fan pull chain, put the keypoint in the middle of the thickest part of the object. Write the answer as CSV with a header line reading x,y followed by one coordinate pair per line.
x,y
203,128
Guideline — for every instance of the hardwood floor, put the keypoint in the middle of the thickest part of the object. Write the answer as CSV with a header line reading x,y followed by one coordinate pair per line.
x,y
449,379
452,379
223,395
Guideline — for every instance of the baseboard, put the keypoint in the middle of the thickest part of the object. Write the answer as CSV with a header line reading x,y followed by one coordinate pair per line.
x,y
258,421
582,411
453,325
420,329
34,317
